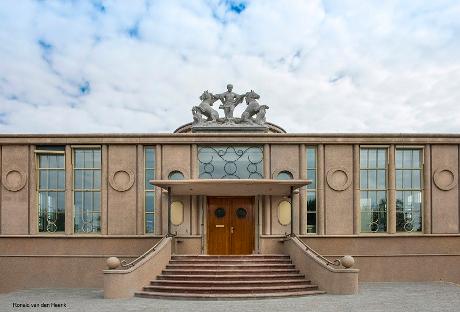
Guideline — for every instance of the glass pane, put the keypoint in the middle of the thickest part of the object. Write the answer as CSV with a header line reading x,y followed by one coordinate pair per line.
x,y
79,158
60,161
382,200
53,161
311,175
53,179
43,161
399,179
149,222
416,179
363,158
89,163
311,157
399,200
97,179
399,159
311,222
97,158
88,179
61,179
149,158
407,159
78,179
88,201
407,183
43,179
176,175
149,175
373,200
231,162
372,158
416,163
311,201
363,179
365,202
381,179
381,158
149,201
372,179
96,201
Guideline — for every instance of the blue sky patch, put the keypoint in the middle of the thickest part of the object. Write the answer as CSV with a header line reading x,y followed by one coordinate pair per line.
x,y
236,6
85,88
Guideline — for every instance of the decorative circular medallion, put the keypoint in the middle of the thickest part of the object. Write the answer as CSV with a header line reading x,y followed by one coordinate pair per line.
x,y
445,179
220,212
121,180
14,179
241,213
338,179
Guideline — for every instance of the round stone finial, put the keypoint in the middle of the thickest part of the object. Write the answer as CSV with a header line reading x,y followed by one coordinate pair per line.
x,y
113,263
347,261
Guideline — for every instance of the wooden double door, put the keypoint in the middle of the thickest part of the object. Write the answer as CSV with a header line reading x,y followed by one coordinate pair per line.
x,y
230,225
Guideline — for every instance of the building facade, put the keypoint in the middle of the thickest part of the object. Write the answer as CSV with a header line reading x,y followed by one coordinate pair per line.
x,y
67,202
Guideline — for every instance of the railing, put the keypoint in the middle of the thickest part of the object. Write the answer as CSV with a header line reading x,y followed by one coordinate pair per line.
x,y
336,262
132,263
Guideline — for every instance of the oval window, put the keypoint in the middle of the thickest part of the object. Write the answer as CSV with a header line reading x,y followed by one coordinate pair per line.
x,y
284,175
176,175
284,212
219,212
241,213
177,212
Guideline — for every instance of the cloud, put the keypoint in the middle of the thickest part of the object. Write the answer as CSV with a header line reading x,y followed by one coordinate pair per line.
x,y
139,66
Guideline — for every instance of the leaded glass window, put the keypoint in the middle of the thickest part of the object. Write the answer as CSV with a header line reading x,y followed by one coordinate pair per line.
x,y
149,189
51,191
373,185
409,190
311,189
230,162
87,190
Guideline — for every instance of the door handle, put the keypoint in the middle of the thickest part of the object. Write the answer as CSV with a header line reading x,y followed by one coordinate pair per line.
x,y
231,230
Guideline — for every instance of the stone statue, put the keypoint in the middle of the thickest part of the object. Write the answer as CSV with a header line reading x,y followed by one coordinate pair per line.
x,y
229,101
253,108
205,109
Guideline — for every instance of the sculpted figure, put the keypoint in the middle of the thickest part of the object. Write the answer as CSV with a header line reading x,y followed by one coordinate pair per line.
x,y
253,108
229,101
205,109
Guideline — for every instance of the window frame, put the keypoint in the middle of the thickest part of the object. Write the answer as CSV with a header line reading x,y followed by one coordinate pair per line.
x,y
37,153
73,148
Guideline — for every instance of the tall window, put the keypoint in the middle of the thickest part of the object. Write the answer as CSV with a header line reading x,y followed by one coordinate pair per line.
x,y
231,162
87,190
408,190
311,189
373,185
51,189
149,189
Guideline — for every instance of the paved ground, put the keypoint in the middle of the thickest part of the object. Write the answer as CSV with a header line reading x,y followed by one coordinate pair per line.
x,y
372,297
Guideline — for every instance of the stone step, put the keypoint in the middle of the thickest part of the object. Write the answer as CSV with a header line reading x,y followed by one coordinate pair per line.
x,y
248,266
230,289
234,283
189,296
231,261
229,257
225,272
247,277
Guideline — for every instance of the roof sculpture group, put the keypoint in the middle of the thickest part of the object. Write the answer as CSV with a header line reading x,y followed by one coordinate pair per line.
x,y
206,116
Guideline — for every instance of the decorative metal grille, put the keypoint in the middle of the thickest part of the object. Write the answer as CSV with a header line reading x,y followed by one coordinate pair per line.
x,y
231,162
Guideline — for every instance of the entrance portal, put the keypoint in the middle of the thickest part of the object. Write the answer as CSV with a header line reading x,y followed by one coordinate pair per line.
x,y
230,225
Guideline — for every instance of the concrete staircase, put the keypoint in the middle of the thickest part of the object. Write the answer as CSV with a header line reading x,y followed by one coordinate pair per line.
x,y
229,277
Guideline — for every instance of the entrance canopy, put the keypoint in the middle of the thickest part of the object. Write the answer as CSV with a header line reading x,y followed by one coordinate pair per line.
x,y
230,187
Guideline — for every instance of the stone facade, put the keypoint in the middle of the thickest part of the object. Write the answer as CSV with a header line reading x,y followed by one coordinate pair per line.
x,y
69,259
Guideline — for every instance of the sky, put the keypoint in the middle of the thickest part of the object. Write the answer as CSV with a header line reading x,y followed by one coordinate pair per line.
x,y
140,66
